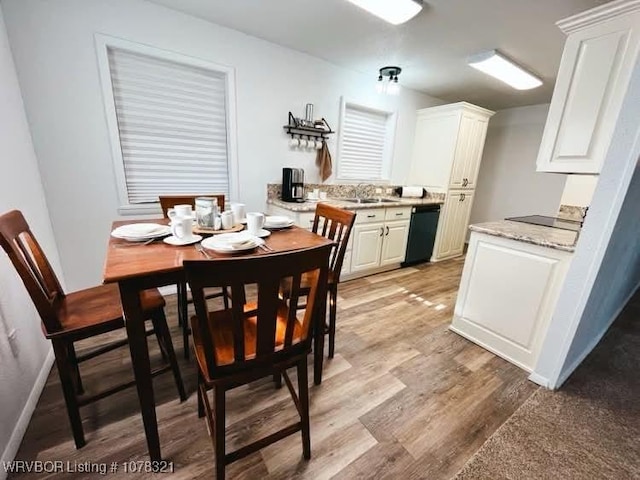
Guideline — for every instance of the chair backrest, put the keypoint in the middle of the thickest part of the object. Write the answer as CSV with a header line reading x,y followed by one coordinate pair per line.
x,y
264,342
32,265
335,224
170,201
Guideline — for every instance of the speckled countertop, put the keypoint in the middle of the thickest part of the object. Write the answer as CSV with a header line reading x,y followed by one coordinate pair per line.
x,y
311,206
534,234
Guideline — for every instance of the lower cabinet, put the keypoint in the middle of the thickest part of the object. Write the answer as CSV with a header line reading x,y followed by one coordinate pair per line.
x,y
508,292
367,246
453,224
394,245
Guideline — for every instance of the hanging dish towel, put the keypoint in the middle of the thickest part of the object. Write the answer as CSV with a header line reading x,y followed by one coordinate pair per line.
x,y
323,161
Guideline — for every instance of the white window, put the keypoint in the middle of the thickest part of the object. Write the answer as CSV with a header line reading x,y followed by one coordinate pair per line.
x,y
366,143
169,119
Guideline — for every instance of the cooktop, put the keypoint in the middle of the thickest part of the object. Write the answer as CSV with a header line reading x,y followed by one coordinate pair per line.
x,y
545,221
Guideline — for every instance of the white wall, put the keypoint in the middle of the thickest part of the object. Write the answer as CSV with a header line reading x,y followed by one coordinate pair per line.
x,y
53,46
24,357
606,265
508,184
578,191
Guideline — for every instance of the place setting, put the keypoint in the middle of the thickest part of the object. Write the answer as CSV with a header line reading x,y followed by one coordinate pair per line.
x,y
240,242
141,233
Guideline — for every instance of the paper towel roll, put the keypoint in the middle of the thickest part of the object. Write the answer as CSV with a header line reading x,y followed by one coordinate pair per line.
x,y
413,192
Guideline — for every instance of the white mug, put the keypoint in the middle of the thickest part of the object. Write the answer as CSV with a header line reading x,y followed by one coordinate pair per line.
x,y
179,211
318,144
294,142
303,143
255,222
182,228
227,219
239,213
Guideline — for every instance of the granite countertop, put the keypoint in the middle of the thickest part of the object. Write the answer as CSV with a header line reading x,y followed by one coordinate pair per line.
x,y
336,202
534,234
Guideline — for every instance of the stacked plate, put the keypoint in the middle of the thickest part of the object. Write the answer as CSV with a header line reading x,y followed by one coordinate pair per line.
x,y
141,232
232,242
277,221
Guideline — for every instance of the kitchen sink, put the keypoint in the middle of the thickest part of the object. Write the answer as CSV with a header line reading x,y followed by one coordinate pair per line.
x,y
368,200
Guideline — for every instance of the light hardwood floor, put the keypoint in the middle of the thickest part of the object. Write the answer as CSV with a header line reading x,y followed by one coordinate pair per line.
x,y
403,398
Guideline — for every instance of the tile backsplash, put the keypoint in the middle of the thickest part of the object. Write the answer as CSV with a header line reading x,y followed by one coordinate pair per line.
x,y
346,190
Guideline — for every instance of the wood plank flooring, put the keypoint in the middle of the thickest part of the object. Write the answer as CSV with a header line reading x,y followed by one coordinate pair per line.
x,y
403,398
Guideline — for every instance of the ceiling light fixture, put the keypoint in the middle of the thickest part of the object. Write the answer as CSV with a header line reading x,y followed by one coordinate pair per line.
x,y
392,11
391,86
498,66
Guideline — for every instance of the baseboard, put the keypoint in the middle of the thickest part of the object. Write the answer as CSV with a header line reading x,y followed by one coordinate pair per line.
x,y
25,417
540,380
564,375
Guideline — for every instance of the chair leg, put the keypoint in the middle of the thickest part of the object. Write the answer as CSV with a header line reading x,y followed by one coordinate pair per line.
x,y
303,395
333,299
65,370
160,325
225,297
183,314
76,368
219,434
200,399
277,380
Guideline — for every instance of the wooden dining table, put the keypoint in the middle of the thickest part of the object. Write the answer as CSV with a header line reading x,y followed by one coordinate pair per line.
x,y
136,267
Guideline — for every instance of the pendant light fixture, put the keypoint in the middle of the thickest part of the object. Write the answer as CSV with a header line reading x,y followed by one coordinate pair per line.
x,y
388,80
392,11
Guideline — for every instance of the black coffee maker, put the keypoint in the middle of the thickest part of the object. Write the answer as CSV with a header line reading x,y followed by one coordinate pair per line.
x,y
292,185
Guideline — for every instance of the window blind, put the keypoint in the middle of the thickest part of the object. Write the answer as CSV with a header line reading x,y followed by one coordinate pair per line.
x,y
363,143
172,124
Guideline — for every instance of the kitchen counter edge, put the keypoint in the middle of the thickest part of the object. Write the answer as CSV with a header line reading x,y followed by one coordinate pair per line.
x,y
311,206
534,234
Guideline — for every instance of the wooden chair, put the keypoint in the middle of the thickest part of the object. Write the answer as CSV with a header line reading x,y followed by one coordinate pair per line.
x,y
167,202
336,224
243,343
68,318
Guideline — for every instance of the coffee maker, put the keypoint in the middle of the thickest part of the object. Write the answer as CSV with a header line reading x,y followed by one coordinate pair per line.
x,y
292,185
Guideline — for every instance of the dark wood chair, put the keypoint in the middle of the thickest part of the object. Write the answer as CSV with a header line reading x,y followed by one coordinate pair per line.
x,y
167,202
246,342
336,224
68,318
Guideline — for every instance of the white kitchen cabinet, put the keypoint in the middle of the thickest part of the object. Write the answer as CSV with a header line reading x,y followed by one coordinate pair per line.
x,y
453,223
367,246
394,245
507,295
448,146
602,47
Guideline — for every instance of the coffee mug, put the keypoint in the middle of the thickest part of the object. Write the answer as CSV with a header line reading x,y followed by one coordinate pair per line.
x,y
179,211
182,228
255,222
294,142
239,214
318,144
227,219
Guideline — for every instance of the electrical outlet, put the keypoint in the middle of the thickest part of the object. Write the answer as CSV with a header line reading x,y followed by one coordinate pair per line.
x,y
388,191
378,191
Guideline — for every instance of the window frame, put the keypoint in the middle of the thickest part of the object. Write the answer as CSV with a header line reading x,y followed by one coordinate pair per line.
x,y
103,43
387,160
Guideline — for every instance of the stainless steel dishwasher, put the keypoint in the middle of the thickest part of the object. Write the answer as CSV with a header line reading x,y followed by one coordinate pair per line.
x,y
422,233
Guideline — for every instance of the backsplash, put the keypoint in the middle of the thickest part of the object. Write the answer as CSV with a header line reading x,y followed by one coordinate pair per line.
x,y
572,212
346,190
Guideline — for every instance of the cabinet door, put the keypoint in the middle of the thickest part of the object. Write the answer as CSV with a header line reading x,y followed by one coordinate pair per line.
x,y
594,74
468,154
367,245
461,222
394,246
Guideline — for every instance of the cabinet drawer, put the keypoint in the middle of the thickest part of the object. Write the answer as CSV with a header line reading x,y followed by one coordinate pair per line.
x,y
398,213
305,220
370,215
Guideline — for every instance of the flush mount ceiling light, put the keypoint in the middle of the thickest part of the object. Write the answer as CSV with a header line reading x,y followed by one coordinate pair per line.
x,y
497,65
392,11
390,86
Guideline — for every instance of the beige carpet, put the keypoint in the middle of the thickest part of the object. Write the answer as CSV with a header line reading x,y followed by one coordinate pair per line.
x,y
590,429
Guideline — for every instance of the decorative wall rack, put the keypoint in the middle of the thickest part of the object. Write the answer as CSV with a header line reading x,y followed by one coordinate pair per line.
x,y
321,128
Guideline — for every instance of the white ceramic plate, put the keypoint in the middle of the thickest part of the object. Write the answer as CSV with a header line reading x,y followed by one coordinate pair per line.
x,y
263,233
139,229
212,243
175,241
141,238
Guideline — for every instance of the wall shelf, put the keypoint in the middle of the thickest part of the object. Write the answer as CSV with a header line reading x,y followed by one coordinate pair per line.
x,y
295,128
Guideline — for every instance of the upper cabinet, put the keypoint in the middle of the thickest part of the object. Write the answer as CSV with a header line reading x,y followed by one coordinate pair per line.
x,y
599,55
448,146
